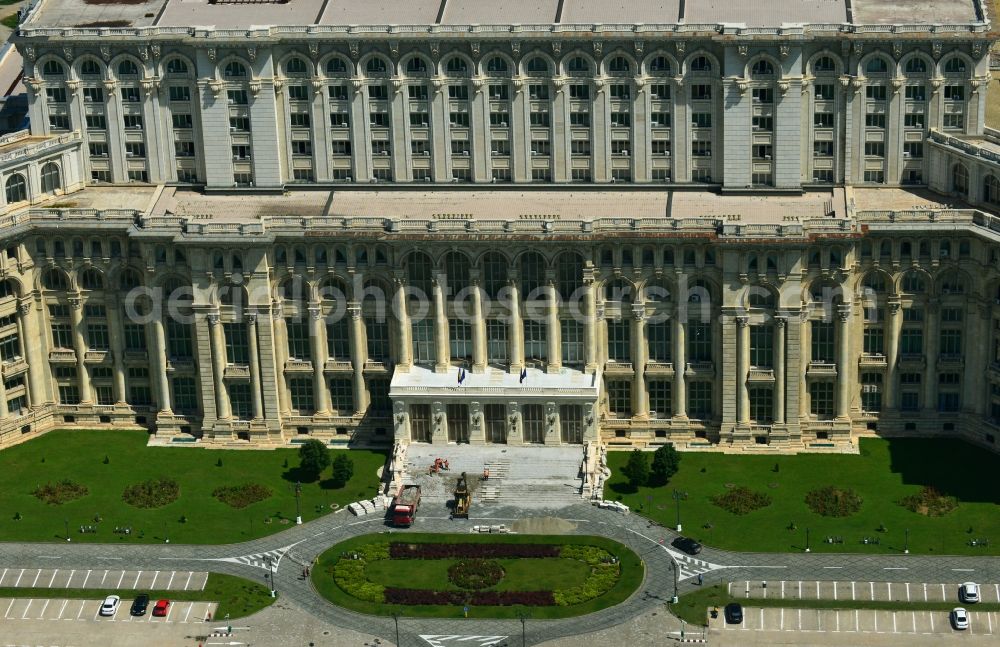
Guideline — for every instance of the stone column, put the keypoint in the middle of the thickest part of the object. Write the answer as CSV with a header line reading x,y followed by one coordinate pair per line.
x,y
930,353
255,382
516,327
32,352
403,340
590,325
552,323
80,346
218,341
779,369
117,333
317,334
843,362
680,363
892,329
359,355
159,363
479,358
640,395
4,411
805,348
977,357
441,347
742,370
281,358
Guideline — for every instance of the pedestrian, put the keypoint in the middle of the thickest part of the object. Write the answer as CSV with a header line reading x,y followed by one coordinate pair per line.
x,y
701,579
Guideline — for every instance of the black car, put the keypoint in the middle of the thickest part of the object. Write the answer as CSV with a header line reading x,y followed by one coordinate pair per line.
x,y
139,605
688,545
734,613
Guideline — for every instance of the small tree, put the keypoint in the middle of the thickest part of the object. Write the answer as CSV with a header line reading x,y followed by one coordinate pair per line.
x,y
666,462
343,469
636,469
314,457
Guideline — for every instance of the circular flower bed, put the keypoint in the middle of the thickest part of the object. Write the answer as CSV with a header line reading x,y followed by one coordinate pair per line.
x,y
61,492
240,496
154,493
831,501
742,500
929,502
475,573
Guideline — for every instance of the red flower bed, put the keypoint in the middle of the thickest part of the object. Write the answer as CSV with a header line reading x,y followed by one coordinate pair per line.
x,y
402,550
479,598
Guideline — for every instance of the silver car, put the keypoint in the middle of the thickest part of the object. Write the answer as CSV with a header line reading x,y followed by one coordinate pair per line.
x,y
959,618
110,605
969,592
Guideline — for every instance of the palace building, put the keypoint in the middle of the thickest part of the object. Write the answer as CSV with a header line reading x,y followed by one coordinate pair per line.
x,y
734,226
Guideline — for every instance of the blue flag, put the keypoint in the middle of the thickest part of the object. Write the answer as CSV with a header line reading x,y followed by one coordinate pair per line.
x,y
524,375
461,375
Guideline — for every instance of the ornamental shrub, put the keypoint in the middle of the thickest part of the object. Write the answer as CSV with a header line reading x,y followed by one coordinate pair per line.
x,y
832,501
403,550
741,500
153,493
349,574
240,496
61,492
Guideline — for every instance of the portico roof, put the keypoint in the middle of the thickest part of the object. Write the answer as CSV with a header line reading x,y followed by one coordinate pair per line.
x,y
495,383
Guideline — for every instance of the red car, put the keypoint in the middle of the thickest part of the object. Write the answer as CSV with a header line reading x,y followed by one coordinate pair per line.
x,y
161,608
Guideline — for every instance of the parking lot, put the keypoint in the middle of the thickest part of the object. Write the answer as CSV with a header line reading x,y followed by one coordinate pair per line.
x,y
55,609
103,579
813,626
858,591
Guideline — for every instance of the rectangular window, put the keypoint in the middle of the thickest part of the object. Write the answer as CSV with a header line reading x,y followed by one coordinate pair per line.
x,y
536,344
414,92
182,121
762,405
699,342
460,339
914,121
659,339
10,348
619,341
338,342
132,122
821,399
298,339
301,390
571,333
660,403
701,92
762,95
954,93
180,344
916,93
97,122
377,340
135,337
875,149
762,123
342,396
97,336
911,341
761,346
458,422
62,335
822,342
571,423
239,400
579,91
301,92
823,120
185,395
823,149
871,392
237,97
875,92
701,120
951,342
874,340
378,396
180,93
699,406
824,92
93,95
69,394
496,341
59,122
420,423
701,149
237,343
423,341
619,398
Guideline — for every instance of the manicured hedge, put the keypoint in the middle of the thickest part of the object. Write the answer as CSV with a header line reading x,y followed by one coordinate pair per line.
x,y
477,598
402,550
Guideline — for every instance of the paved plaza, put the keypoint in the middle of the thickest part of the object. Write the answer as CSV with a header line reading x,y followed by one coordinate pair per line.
x,y
299,545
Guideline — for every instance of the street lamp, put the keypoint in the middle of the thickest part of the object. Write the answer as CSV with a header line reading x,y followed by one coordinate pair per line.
x,y
395,618
678,495
906,541
522,616
298,510
66,521
807,540
677,569
270,573
166,539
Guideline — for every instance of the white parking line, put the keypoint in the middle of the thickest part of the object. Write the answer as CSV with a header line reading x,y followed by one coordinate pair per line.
x,y
817,589
852,589
171,580
41,614
857,623
188,614
84,585
894,622
838,620
19,578
889,584
800,619
5,575
137,576
35,581
191,574
25,616
943,595
54,577
170,610
71,574
871,585
62,608
834,589
930,615
781,620
925,591
152,585
989,619
7,613
83,603
914,618
875,616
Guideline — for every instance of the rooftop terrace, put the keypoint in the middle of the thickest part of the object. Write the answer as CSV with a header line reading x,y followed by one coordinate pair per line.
x,y
223,14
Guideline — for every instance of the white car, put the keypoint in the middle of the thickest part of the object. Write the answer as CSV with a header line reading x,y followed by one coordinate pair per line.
x,y
959,618
110,605
969,593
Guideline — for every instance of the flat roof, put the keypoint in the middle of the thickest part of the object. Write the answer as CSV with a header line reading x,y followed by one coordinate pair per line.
x,y
245,15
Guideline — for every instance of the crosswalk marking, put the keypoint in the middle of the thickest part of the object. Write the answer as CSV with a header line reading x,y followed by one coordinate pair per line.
x,y
435,640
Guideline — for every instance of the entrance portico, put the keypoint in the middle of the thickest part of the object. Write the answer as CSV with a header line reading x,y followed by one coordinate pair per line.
x,y
532,408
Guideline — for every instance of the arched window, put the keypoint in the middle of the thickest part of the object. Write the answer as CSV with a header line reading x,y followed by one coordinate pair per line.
x,y
457,65
619,65
760,298
17,189
296,66
8,288
235,70
916,65
91,279
336,67
376,67
824,64
701,64
960,179
90,68
128,68
177,66
494,273
578,65
876,66
659,66
953,283
617,291
955,65
537,65
497,65
54,279
53,70
874,282
569,274
456,266
762,69
50,178
419,272
416,66
913,283
991,190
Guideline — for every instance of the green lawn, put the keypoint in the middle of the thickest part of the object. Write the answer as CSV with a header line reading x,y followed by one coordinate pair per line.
x,y
521,574
10,22
80,455
236,596
884,472
693,607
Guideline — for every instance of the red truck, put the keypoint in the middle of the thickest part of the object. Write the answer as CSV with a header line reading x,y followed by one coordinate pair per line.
x,y
405,504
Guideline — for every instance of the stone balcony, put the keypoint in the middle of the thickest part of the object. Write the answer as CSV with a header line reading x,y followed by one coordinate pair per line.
x,y
665,369
62,356
868,360
294,365
760,374
821,369
237,372
13,367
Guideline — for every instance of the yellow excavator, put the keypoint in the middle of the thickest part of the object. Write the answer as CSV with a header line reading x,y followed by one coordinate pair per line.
x,y
462,499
